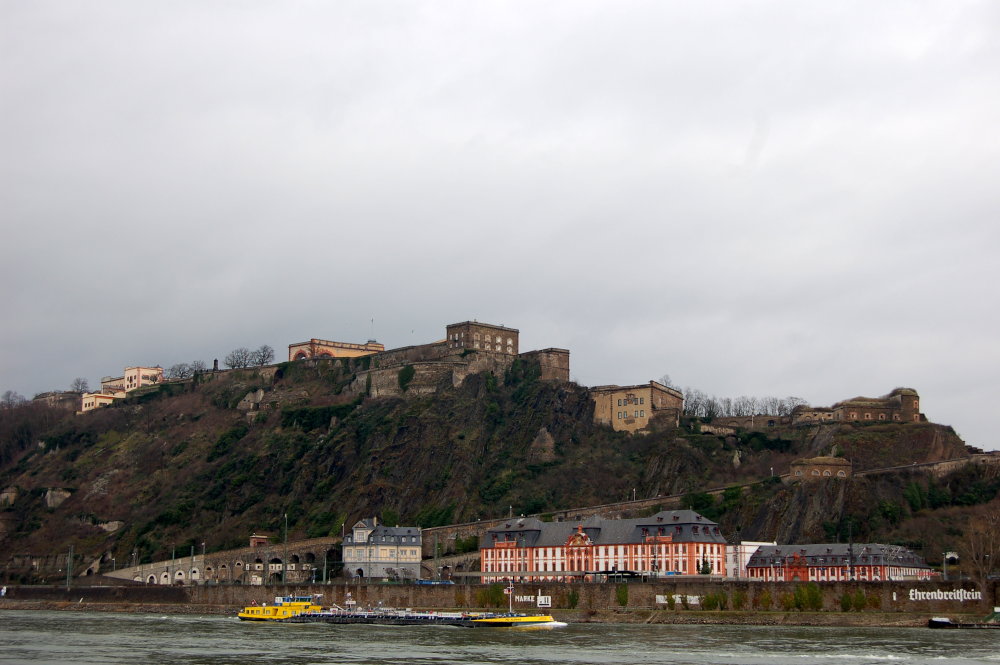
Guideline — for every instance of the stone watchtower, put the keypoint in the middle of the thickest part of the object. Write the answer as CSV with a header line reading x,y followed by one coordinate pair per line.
x,y
909,404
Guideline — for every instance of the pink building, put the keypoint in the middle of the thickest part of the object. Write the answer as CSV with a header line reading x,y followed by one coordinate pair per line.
x,y
675,542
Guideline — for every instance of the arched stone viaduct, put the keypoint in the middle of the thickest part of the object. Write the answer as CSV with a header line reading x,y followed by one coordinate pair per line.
x,y
312,560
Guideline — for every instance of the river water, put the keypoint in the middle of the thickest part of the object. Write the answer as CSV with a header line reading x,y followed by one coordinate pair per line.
x,y
143,639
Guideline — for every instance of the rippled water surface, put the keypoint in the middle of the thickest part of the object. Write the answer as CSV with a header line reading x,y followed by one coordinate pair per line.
x,y
83,637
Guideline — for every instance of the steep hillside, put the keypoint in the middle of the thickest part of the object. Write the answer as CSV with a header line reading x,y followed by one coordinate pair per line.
x,y
183,464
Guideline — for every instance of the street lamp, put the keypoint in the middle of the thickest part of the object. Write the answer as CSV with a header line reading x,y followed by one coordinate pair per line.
x,y
284,559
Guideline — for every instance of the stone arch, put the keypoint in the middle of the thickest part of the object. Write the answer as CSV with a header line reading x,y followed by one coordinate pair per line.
x,y
301,355
165,578
294,559
151,579
826,473
275,578
195,574
310,557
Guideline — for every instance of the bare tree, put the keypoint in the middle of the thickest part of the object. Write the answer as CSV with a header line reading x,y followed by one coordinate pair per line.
x,y
178,371
665,380
80,385
197,366
262,356
11,399
238,358
980,544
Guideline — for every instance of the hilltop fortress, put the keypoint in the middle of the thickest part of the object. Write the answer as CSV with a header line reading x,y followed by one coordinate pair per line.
x,y
473,347
901,405
468,348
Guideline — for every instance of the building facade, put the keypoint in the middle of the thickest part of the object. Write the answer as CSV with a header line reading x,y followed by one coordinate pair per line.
x,y
677,542
901,405
60,399
375,550
632,408
817,468
836,562
483,337
91,401
134,377
117,387
737,557
324,348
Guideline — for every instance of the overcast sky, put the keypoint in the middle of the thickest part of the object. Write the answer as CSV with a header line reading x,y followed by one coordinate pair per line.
x,y
767,198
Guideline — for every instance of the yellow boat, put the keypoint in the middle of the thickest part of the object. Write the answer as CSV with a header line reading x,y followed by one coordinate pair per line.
x,y
284,607
513,620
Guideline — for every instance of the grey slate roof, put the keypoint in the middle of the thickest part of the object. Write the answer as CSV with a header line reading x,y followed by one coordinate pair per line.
x,y
685,526
837,554
383,533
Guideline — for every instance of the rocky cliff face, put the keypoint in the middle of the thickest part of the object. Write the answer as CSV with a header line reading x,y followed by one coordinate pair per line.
x,y
216,459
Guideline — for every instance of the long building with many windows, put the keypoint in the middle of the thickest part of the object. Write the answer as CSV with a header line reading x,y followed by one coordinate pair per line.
x,y
836,562
675,542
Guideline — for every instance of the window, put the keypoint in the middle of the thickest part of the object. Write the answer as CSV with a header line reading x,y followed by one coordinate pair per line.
x,y
841,474
881,416
642,413
636,413
815,472
619,402
868,416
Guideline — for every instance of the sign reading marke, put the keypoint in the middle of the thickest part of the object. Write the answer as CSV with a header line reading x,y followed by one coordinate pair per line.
x,y
543,601
961,595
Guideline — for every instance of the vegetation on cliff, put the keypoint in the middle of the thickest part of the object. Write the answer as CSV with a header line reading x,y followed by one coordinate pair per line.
x,y
214,458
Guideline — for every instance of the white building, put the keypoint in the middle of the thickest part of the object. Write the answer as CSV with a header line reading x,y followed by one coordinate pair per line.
x,y
737,557
375,550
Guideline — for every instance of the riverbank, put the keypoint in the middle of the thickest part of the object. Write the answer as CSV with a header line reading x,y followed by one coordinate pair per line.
x,y
636,616
859,604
